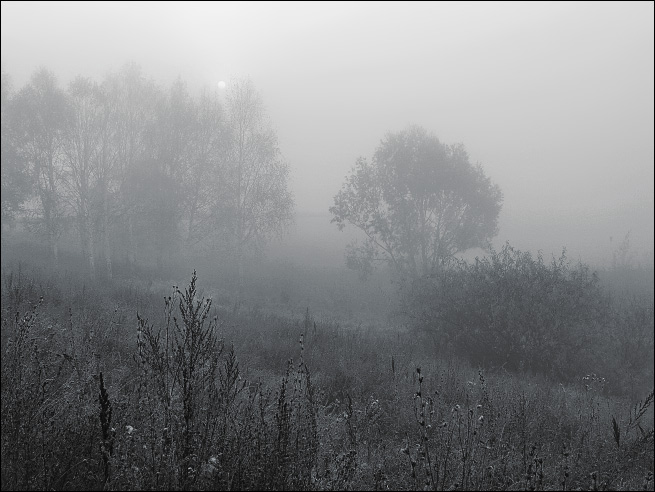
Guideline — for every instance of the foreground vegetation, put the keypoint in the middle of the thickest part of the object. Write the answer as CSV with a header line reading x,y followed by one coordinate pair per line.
x,y
113,387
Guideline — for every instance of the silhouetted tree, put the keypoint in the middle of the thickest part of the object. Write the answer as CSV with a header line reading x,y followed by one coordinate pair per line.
x,y
419,202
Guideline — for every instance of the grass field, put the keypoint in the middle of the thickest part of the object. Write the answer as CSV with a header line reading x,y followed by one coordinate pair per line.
x,y
139,385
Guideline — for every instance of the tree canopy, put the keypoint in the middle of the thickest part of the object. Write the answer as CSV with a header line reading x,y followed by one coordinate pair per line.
x,y
419,202
128,169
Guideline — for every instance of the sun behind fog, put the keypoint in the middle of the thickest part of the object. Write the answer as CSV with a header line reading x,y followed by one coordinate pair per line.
x,y
221,85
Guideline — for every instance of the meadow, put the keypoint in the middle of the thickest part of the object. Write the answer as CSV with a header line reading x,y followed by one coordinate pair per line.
x,y
141,384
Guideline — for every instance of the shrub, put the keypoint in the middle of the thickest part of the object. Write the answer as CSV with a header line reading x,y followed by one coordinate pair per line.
x,y
513,310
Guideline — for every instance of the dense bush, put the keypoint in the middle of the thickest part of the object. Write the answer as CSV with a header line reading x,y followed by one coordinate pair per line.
x,y
513,310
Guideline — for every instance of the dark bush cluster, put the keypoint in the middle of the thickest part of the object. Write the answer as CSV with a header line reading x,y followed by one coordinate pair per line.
x,y
517,311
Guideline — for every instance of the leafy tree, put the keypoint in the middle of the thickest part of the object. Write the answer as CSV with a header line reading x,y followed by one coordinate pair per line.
x,y
168,149
419,202
259,203
40,117
15,179
206,169
192,145
82,150
106,168
133,100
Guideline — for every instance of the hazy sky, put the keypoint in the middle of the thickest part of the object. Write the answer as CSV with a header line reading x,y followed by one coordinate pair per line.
x,y
555,100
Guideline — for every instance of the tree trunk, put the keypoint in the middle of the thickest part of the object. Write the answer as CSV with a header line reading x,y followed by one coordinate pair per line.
x,y
54,249
90,253
131,247
86,234
105,234
240,273
51,233
51,210
107,252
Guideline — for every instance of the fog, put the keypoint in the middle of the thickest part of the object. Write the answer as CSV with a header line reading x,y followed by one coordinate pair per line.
x,y
555,100
175,178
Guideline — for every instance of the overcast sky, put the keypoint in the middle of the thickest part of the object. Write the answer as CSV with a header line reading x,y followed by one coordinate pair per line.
x,y
555,100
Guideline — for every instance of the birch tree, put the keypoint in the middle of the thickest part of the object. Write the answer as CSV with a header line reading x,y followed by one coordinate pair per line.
x,y
133,98
15,178
82,150
40,116
260,204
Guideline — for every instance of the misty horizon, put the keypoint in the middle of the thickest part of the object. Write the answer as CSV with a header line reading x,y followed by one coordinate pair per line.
x,y
555,101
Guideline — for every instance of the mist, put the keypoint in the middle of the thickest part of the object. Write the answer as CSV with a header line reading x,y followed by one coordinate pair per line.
x,y
327,246
554,100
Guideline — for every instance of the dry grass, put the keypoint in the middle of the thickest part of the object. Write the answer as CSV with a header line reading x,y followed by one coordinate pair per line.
x,y
199,398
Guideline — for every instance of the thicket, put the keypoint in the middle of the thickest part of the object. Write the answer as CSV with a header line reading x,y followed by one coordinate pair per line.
x,y
192,397
516,311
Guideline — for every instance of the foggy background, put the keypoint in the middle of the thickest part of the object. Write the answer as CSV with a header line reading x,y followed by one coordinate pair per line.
x,y
555,100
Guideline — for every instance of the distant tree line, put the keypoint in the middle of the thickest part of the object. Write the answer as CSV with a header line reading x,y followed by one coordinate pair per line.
x,y
141,173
